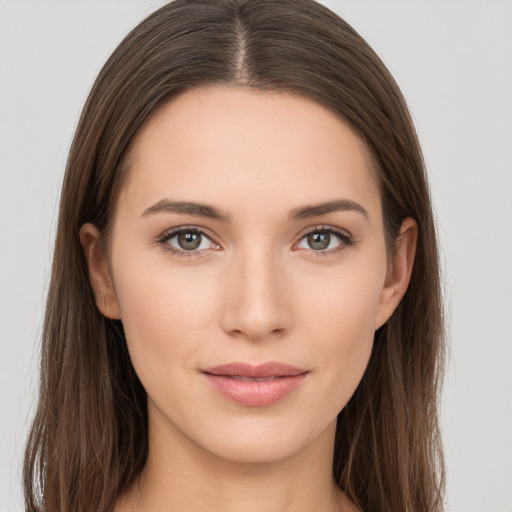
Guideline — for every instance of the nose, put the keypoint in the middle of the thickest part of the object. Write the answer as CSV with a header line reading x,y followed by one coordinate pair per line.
x,y
256,305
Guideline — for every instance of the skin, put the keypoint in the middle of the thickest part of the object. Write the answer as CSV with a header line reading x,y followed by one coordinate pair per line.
x,y
255,291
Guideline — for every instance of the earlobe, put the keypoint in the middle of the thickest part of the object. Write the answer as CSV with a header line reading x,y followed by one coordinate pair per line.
x,y
400,270
99,277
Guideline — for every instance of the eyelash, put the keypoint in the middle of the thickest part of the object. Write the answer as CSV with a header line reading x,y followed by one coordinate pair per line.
x,y
164,238
346,240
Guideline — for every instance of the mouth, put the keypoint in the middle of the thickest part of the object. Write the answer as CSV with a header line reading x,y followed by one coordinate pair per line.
x,y
255,386
251,379
270,370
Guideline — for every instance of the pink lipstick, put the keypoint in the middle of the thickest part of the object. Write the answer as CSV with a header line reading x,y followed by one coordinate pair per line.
x,y
255,386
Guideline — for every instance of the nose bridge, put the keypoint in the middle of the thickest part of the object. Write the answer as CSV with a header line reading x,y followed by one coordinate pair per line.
x,y
255,306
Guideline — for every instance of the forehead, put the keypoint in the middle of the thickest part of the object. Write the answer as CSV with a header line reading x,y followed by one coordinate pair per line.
x,y
222,144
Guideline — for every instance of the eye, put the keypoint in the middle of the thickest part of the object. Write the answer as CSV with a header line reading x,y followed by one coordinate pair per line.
x,y
325,239
186,240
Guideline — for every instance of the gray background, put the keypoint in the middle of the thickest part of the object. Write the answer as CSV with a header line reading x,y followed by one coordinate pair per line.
x,y
453,60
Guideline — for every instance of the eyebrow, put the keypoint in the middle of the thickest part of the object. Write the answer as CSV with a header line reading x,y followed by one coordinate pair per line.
x,y
337,205
212,212
188,208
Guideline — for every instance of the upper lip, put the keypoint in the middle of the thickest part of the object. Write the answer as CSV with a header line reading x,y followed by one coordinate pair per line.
x,y
271,369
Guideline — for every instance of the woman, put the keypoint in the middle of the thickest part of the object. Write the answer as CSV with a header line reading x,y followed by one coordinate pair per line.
x,y
244,311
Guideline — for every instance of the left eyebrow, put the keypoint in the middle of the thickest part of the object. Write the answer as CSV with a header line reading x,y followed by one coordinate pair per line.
x,y
337,205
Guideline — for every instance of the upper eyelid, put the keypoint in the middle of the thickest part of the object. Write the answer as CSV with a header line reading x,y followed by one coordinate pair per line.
x,y
169,233
325,227
205,231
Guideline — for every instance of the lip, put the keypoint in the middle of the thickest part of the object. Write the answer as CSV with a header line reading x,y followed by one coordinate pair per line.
x,y
270,369
284,380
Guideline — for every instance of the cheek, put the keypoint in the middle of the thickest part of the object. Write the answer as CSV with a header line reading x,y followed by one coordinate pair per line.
x,y
165,312
343,300
338,315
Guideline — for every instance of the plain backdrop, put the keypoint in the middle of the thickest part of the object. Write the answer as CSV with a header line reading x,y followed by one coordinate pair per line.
x,y
453,60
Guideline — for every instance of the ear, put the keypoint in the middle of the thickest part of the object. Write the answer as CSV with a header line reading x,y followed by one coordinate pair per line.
x,y
399,271
99,277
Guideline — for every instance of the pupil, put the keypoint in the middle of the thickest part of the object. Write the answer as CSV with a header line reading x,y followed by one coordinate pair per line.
x,y
319,240
189,241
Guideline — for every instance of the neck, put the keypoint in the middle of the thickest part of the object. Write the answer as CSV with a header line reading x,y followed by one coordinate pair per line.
x,y
180,475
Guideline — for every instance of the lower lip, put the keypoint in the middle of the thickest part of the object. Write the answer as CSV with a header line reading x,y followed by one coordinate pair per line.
x,y
255,393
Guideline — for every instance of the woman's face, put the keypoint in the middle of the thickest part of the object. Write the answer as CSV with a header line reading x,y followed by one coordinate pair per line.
x,y
249,230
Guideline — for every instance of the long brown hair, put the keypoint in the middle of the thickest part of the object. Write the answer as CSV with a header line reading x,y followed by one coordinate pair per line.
x,y
89,440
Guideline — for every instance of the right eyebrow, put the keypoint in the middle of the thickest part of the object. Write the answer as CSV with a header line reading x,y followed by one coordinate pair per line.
x,y
188,208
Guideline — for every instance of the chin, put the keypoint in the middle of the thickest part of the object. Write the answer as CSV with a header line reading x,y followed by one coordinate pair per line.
x,y
262,442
